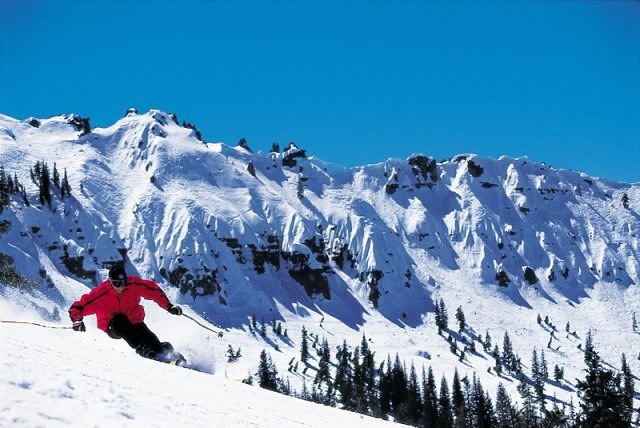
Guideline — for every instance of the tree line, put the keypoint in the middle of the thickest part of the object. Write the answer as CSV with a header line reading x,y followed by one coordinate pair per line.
x,y
353,380
46,180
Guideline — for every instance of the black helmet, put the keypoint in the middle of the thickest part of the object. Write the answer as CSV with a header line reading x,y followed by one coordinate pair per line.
x,y
117,273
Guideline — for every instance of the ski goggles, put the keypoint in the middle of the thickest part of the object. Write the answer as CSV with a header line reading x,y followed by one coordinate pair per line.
x,y
118,283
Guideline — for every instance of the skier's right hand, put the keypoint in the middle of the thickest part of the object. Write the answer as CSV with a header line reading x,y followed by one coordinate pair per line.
x,y
78,325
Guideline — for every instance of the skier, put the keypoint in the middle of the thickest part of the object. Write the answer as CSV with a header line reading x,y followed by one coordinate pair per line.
x,y
116,304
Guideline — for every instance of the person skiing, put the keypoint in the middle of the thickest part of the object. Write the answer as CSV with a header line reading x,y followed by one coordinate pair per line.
x,y
116,304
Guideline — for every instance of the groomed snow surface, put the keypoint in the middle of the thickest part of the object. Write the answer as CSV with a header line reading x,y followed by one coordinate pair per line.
x,y
57,377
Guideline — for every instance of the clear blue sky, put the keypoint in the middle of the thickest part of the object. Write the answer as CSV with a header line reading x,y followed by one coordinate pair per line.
x,y
352,82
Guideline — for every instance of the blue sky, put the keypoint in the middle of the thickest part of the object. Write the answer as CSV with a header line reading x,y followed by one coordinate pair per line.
x,y
352,82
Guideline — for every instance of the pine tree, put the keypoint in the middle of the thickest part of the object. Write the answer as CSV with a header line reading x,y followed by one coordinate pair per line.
x,y
385,387
558,373
603,401
4,190
399,382
232,356
414,400
429,400
481,406
267,372
628,390
544,368
442,318
369,372
529,411
458,401
65,190
56,176
304,346
344,377
538,378
323,375
487,342
511,361
359,399
496,355
461,319
506,413
44,183
445,411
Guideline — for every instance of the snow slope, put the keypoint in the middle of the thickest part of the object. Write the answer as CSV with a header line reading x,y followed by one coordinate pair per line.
x,y
55,377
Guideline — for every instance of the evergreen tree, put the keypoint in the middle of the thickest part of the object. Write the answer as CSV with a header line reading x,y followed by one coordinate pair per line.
x,y
529,411
232,355
461,319
481,409
544,368
323,375
429,400
44,183
628,390
538,378
442,318
603,401
509,358
304,346
625,201
267,372
506,413
414,401
65,189
5,190
557,417
368,367
445,410
458,401
399,382
487,342
385,387
344,377
359,399
56,176
558,373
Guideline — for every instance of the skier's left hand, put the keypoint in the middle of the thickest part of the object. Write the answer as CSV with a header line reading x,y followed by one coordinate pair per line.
x,y
78,325
175,310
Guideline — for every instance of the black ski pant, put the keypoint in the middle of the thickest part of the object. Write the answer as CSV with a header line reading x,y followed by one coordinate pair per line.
x,y
138,336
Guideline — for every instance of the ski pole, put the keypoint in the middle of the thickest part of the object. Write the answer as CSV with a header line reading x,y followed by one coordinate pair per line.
x,y
218,332
35,323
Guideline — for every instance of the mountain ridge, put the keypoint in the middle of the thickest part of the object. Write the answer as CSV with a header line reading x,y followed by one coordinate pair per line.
x,y
444,209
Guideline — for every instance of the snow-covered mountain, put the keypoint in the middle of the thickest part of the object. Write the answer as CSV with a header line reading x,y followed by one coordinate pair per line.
x,y
236,235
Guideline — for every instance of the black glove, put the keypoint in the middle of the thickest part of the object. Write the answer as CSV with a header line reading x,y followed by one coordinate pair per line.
x,y
78,325
175,310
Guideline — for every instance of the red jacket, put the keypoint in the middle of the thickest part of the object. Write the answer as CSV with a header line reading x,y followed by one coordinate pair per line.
x,y
105,302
